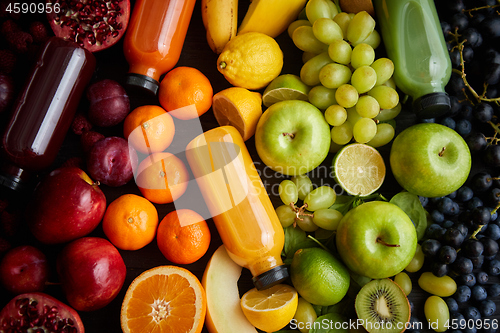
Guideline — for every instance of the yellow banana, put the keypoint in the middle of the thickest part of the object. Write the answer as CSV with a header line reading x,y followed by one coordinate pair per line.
x,y
220,18
271,17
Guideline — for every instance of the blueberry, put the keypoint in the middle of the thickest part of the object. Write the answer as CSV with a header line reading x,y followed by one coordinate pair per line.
x,y
464,193
482,277
437,216
435,231
454,237
471,312
462,294
439,269
468,280
447,224
478,293
494,267
463,127
445,205
494,290
449,121
474,203
430,247
452,304
487,308
423,200
481,215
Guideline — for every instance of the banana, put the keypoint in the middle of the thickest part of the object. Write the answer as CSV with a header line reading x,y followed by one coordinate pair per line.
x,y
220,18
271,17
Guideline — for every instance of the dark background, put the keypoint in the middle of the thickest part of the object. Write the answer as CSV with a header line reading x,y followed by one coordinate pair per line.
x,y
196,53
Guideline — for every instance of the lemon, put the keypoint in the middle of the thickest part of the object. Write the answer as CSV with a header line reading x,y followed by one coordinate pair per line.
x,y
270,309
285,87
319,277
359,169
238,107
251,60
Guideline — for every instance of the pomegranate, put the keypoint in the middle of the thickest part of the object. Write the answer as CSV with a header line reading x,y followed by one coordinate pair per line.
x,y
39,312
93,24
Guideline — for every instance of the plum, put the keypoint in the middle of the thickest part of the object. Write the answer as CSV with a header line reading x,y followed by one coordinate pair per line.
x,y
111,162
6,91
109,103
24,269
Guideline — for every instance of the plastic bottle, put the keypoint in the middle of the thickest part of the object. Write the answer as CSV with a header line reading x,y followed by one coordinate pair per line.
x,y
238,203
414,41
154,39
44,111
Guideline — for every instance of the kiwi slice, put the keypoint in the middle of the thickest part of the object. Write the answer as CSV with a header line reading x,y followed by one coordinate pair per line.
x,y
382,307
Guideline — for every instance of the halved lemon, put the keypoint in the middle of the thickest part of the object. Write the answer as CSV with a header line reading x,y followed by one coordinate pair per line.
x,y
359,169
238,107
270,309
164,299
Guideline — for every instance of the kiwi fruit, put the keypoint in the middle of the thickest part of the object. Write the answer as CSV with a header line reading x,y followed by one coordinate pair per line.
x,y
382,307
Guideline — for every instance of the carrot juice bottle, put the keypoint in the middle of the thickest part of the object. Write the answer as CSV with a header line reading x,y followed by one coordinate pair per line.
x,y
154,39
238,203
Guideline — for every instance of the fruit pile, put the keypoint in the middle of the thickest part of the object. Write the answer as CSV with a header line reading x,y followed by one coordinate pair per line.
x,y
105,236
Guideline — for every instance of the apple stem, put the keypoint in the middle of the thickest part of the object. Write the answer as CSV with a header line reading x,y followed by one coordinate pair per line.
x,y
291,135
441,153
379,240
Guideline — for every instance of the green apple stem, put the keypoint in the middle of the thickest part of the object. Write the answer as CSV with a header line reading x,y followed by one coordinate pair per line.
x,y
381,241
291,135
441,153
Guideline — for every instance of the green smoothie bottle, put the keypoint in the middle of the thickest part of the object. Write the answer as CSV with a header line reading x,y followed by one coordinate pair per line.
x,y
414,41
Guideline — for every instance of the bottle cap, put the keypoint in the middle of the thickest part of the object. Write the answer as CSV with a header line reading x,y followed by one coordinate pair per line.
x,y
432,105
142,81
14,178
270,278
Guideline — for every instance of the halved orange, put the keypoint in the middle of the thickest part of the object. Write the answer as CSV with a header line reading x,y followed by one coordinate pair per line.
x,y
164,299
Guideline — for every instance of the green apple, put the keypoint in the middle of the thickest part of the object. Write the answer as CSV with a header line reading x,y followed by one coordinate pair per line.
x,y
292,137
430,160
376,239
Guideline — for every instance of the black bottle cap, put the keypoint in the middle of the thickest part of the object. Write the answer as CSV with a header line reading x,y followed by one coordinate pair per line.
x,y
432,105
270,278
143,82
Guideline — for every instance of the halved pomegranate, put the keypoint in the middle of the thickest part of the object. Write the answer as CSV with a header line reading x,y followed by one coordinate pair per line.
x,y
39,312
93,24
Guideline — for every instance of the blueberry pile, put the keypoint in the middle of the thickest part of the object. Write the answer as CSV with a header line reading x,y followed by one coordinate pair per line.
x,y
463,239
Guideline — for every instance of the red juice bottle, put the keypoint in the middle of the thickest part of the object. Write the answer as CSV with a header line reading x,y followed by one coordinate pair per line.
x,y
44,111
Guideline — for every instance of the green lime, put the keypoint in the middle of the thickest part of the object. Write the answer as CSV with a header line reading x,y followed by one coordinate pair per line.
x,y
285,87
359,169
319,277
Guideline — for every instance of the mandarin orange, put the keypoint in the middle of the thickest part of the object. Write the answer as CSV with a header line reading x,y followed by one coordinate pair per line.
x,y
186,93
162,177
130,222
149,129
183,236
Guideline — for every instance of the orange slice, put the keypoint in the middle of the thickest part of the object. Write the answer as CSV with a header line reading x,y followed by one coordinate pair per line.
x,y
164,299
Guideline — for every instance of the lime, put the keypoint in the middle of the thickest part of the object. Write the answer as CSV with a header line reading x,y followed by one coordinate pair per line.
x,y
285,87
319,277
359,169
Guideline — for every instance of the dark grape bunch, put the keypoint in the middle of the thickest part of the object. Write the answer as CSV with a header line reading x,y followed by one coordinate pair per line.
x,y
463,239
472,33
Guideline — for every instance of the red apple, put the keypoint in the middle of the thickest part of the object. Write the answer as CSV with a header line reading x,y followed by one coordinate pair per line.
x,y
66,205
24,269
91,271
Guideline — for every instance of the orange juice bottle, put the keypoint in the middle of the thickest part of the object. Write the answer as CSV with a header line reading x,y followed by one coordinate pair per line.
x,y
154,39
238,203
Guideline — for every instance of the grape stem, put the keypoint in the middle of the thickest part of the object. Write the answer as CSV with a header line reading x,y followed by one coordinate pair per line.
x,y
461,72
381,241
